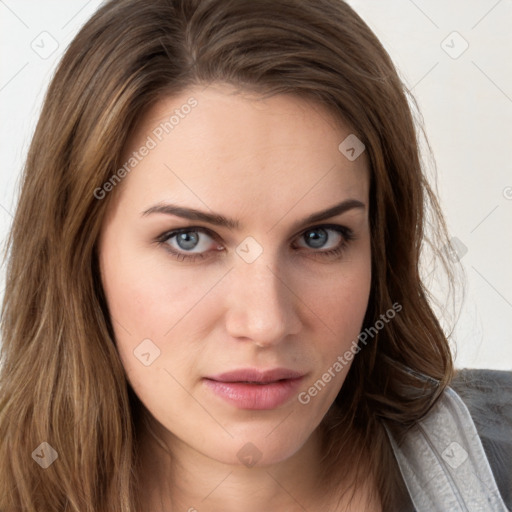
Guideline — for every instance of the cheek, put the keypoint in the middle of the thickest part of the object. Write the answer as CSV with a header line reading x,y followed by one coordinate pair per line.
x,y
341,302
160,314
340,306
148,306
146,297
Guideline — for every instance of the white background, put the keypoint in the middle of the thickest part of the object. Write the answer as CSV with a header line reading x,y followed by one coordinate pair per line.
x,y
465,99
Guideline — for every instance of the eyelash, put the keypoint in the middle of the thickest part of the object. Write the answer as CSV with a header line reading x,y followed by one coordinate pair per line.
x,y
346,233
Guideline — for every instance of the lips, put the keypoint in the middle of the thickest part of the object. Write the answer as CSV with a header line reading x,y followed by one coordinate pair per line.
x,y
255,389
257,376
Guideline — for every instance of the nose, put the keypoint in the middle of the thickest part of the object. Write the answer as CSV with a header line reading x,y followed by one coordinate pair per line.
x,y
261,305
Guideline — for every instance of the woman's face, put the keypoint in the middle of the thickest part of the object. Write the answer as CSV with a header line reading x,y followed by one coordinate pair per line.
x,y
231,332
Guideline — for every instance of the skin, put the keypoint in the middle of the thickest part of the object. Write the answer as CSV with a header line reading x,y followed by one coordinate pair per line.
x,y
267,164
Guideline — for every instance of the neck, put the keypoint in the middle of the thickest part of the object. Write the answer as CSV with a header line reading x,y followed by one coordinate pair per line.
x,y
183,479
186,480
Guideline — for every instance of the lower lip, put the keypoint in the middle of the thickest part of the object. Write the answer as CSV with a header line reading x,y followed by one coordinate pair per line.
x,y
255,396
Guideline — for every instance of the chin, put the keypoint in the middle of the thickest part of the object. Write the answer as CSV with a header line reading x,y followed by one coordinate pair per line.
x,y
258,450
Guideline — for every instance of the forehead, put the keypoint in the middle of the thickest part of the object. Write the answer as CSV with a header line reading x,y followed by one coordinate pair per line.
x,y
237,145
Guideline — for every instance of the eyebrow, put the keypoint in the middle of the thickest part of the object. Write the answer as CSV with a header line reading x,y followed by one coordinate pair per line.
x,y
220,220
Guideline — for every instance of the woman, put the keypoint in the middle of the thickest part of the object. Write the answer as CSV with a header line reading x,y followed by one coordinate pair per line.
x,y
214,265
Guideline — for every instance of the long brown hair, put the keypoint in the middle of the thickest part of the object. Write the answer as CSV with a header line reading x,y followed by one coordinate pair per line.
x,y
62,381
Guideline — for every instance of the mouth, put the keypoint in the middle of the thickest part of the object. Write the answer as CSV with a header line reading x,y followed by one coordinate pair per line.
x,y
254,389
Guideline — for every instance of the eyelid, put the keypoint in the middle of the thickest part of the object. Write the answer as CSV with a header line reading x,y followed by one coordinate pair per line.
x,y
344,230
201,229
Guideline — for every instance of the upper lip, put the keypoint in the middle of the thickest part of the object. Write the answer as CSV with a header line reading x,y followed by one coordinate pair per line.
x,y
255,375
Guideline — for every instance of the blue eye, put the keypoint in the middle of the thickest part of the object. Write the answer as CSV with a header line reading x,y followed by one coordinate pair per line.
x,y
197,243
187,240
318,236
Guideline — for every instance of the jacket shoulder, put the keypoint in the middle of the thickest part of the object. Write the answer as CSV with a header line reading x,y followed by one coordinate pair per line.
x,y
488,396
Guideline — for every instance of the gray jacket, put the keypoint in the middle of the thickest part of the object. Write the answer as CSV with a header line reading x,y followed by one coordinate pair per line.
x,y
459,456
